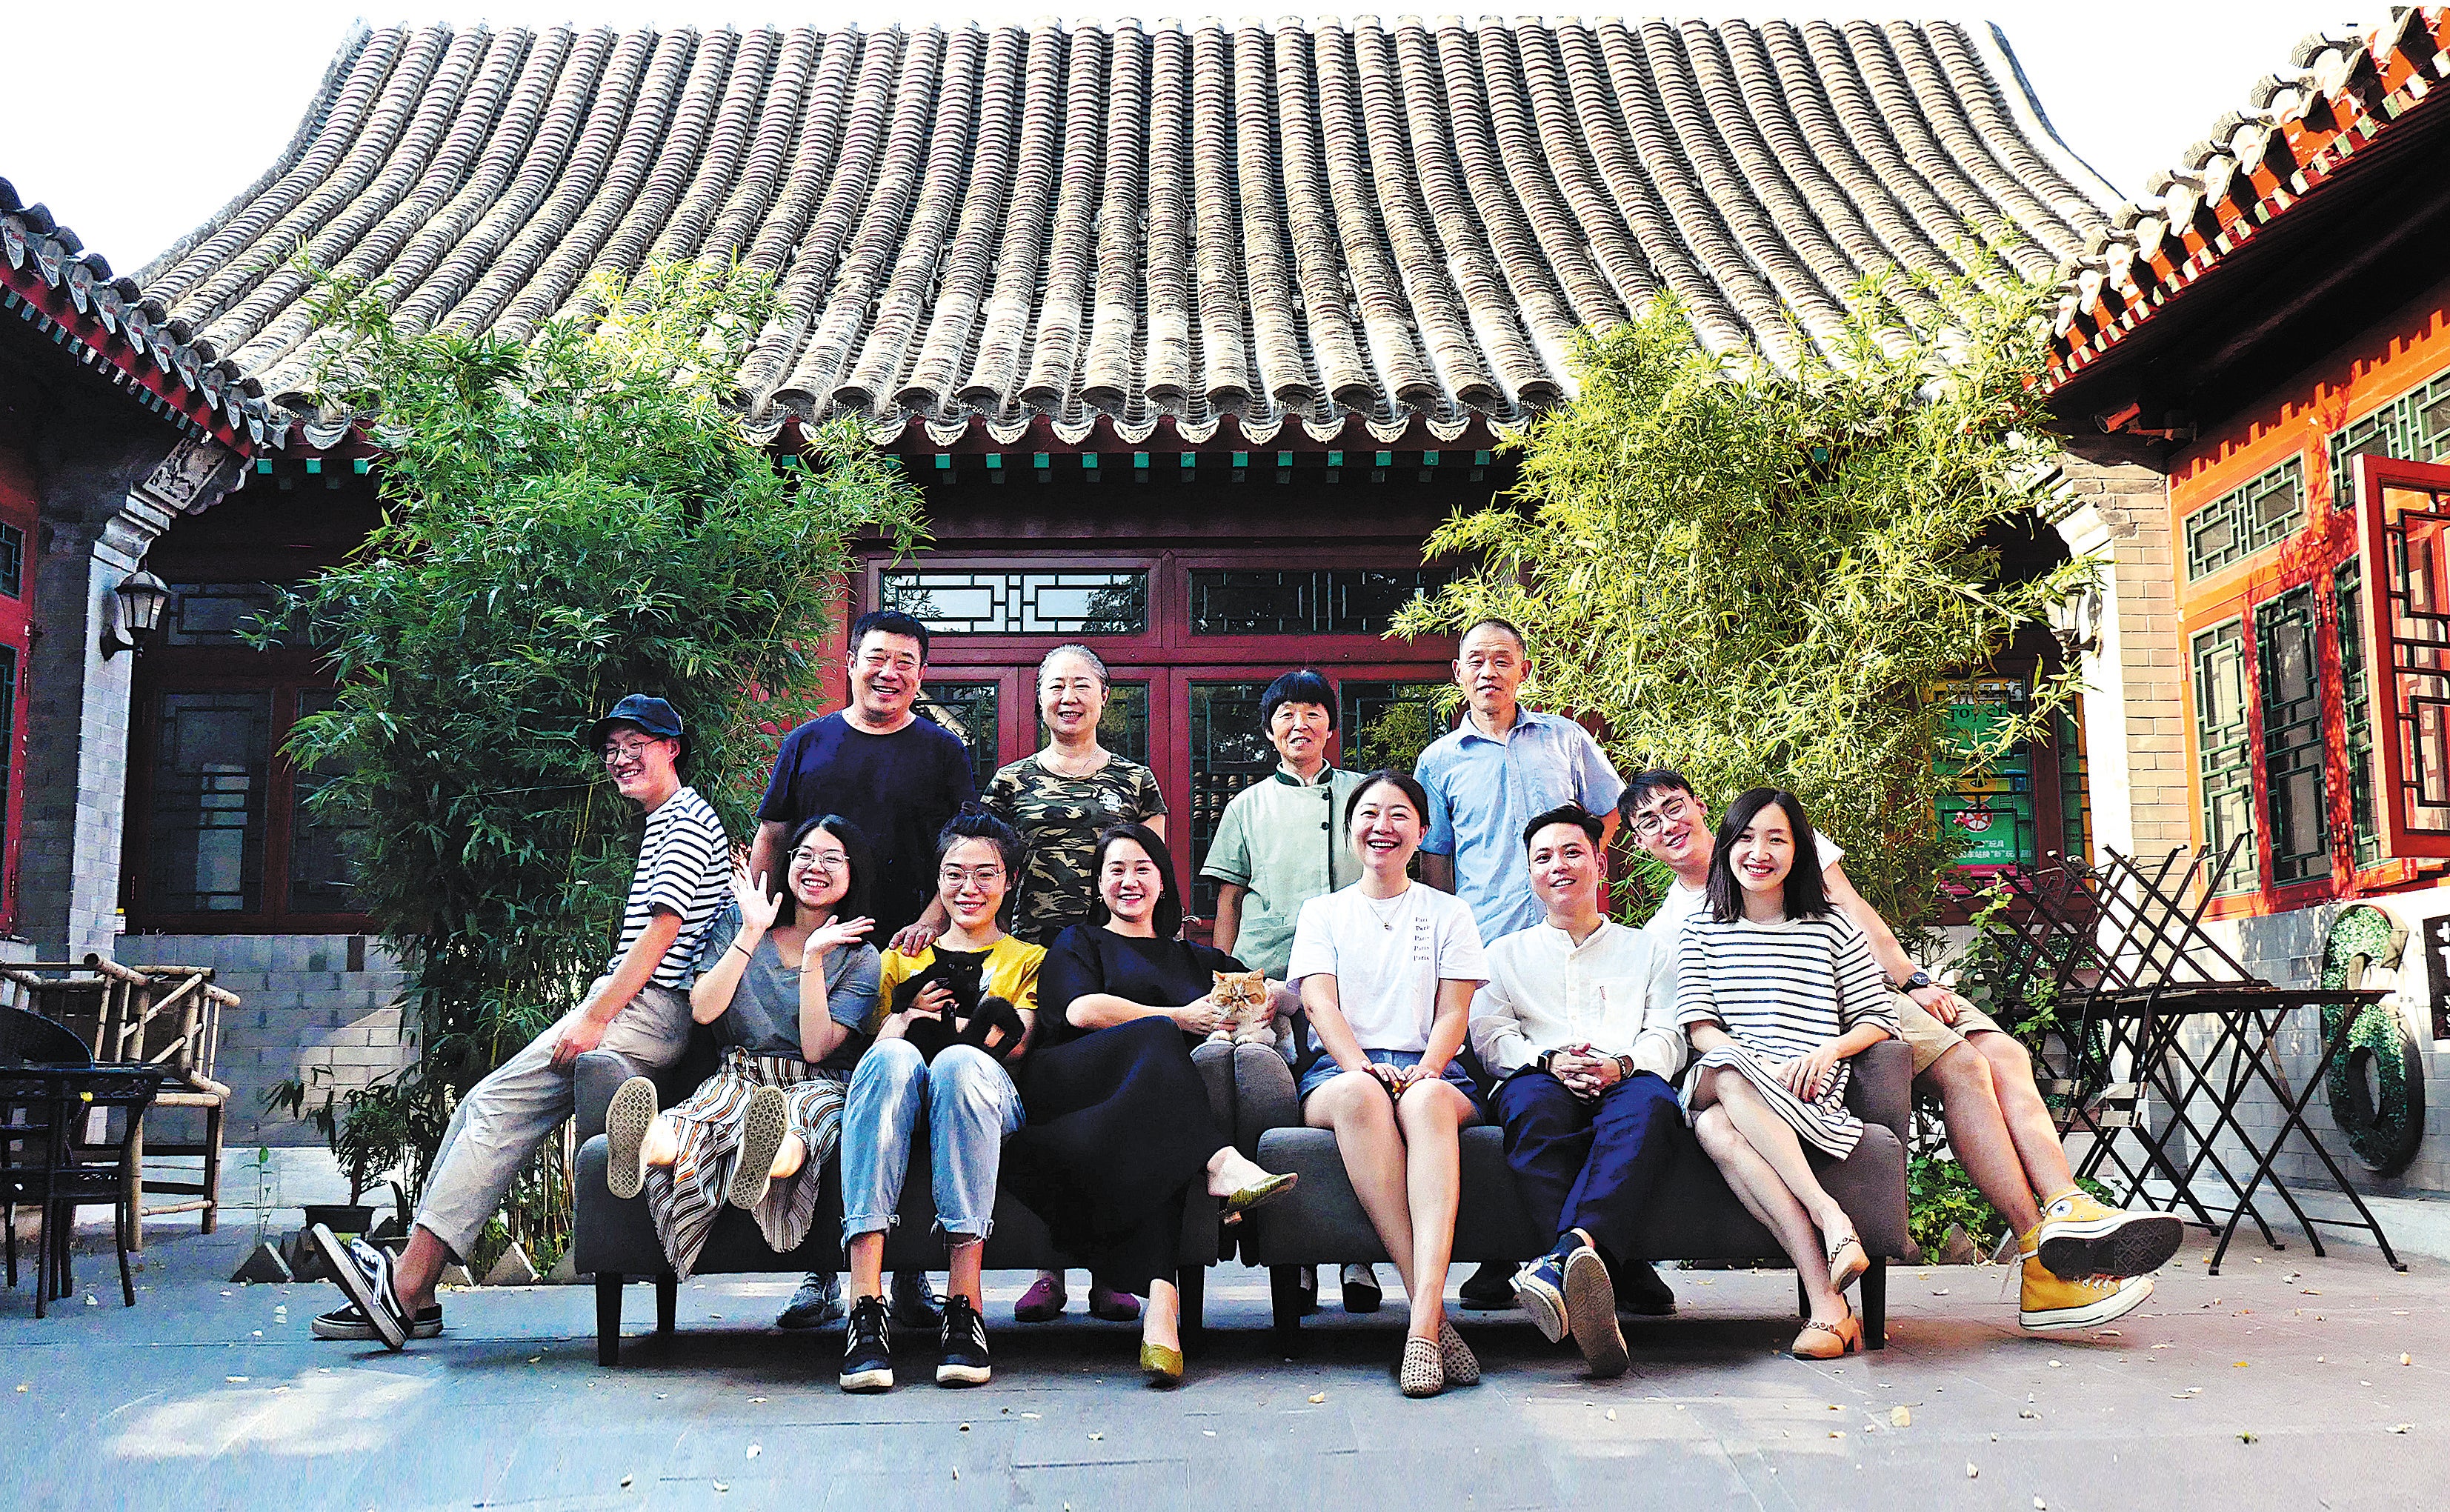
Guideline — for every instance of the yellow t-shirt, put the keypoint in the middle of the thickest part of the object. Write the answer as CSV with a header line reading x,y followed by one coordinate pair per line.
x,y
1011,972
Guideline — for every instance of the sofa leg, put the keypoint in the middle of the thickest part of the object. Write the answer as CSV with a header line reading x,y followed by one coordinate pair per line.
x,y
1191,1285
1875,1305
608,1318
668,1301
1285,1293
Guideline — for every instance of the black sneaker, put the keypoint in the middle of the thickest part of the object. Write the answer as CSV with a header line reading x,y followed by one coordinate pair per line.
x,y
363,1272
1487,1289
346,1323
868,1352
1539,1289
1640,1291
915,1307
964,1346
817,1303
1362,1292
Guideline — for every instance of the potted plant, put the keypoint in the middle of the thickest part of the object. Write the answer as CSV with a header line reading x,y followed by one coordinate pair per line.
x,y
366,1134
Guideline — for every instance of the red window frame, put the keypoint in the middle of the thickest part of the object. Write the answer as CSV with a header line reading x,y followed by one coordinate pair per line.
x,y
2381,537
1167,655
20,508
284,675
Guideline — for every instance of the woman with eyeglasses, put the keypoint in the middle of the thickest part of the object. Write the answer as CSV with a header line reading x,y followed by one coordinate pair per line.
x,y
965,1094
1060,800
789,986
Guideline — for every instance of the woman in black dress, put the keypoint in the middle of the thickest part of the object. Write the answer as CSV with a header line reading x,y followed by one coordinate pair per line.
x,y
1119,1119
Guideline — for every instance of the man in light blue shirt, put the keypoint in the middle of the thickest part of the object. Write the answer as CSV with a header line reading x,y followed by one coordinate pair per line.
x,y
1490,774
1486,779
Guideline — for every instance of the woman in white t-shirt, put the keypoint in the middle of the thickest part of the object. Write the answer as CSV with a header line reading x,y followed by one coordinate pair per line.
x,y
1387,969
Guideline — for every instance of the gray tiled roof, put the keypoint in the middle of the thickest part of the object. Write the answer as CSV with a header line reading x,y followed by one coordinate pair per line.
x,y
1252,226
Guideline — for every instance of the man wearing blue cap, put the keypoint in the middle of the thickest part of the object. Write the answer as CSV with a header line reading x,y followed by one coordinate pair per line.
x,y
639,1007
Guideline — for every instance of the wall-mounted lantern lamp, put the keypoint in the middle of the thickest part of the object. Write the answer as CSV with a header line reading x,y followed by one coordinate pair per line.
x,y
137,604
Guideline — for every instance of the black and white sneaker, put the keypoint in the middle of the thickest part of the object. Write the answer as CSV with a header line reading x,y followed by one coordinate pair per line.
x,y
626,1119
964,1346
867,1350
348,1325
364,1273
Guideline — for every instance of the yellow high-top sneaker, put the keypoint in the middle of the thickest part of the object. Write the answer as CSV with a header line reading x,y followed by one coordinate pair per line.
x,y
2051,1304
2080,1237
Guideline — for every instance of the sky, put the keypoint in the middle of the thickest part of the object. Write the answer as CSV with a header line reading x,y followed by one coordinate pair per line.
x,y
135,123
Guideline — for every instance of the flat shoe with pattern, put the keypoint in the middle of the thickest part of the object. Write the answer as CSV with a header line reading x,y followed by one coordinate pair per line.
x,y
1422,1373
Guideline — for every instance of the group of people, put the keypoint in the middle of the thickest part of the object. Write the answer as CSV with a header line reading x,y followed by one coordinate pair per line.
x,y
1028,1000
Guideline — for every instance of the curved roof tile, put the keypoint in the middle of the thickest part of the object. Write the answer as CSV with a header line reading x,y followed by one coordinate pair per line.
x,y
2339,95
1263,224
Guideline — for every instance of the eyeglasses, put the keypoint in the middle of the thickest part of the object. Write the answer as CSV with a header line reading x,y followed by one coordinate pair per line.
x,y
1645,826
955,876
618,752
823,861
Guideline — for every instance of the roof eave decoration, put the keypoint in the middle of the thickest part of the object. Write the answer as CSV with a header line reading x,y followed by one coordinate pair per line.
x,y
70,296
1288,234
2302,127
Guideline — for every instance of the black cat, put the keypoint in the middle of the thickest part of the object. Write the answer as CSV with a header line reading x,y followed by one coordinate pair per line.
x,y
974,1016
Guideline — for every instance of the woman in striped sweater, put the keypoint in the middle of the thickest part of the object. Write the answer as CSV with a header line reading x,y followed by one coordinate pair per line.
x,y
1776,989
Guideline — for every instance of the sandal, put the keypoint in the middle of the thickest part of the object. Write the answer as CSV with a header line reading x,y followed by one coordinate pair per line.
x,y
1828,1341
1847,1261
1422,1373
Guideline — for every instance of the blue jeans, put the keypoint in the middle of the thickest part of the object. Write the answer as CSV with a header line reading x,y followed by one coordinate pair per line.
x,y
971,1107
1593,1165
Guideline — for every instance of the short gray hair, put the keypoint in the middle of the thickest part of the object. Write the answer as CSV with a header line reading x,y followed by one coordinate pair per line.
x,y
1096,663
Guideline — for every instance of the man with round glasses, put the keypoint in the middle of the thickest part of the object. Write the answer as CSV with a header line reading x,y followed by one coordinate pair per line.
x,y
638,1007
2085,1264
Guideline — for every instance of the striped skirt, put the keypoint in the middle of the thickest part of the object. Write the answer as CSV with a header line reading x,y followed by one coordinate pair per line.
x,y
686,1195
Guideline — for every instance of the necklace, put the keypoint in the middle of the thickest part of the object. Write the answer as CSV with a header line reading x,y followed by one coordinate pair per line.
x,y
1048,759
1386,915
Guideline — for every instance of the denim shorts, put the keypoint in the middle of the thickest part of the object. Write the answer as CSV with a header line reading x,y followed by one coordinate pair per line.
x,y
1325,1070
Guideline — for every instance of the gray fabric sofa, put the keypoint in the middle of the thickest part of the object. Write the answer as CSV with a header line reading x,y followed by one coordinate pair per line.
x,y
1694,1217
615,1240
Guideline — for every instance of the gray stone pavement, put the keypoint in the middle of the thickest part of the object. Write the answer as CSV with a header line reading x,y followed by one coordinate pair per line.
x,y
2277,1384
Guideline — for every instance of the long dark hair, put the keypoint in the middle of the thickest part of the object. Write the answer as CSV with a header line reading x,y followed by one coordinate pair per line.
x,y
1168,915
854,844
1805,897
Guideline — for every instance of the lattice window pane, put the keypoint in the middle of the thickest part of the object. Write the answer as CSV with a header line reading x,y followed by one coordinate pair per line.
x,y
1052,603
1329,601
2355,711
2292,736
1389,724
1228,751
211,768
2244,520
969,710
2225,751
2419,655
2415,426
214,613
324,844
13,561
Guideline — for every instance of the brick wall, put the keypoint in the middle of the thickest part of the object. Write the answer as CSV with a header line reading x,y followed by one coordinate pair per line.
x,y
301,1006
2135,712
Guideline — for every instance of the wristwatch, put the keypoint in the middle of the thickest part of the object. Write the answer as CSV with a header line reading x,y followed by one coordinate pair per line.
x,y
1915,983
1623,1068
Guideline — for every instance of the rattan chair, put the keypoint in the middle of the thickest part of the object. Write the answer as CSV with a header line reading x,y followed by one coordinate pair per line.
x,y
164,1016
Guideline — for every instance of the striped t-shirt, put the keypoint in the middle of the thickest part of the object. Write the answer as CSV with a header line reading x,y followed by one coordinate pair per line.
x,y
684,868
1783,990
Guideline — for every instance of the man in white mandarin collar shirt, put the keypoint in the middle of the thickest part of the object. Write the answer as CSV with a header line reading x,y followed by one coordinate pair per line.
x,y
1577,1019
